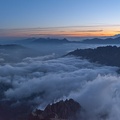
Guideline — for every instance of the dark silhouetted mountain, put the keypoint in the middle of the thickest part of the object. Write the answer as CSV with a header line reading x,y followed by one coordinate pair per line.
x,y
11,46
42,41
109,55
112,40
50,41
109,40
62,110
24,41
116,36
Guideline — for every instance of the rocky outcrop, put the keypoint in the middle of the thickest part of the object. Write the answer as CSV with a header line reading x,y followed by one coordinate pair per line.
x,y
62,110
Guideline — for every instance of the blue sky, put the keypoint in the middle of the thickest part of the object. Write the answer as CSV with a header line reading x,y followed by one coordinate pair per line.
x,y
20,14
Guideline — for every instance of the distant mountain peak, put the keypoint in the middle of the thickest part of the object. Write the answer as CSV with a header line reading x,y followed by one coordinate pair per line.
x,y
110,40
116,36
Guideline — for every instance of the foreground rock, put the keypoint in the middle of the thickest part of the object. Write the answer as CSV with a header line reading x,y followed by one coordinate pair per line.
x,y
109,55
63,110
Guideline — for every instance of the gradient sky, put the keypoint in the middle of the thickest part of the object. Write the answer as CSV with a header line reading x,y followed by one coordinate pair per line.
x,y
59,17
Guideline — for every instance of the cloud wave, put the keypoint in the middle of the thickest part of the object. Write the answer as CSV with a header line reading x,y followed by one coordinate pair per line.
x,y
43,80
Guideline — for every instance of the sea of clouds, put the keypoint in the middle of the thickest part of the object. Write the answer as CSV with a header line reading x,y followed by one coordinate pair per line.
x,y
46,79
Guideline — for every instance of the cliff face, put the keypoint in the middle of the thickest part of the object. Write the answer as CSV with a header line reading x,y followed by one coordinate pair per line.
x,y
63,110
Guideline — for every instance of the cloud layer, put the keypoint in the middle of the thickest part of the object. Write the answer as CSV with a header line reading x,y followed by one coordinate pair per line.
x,y
43,80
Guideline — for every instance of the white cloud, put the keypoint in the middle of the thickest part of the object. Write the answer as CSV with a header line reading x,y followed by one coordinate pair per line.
x,y
45,80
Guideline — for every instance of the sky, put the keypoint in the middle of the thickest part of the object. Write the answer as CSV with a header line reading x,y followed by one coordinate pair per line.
x,y
59,18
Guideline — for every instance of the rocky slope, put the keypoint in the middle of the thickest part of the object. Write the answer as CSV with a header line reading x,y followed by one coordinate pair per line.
x,y
62,110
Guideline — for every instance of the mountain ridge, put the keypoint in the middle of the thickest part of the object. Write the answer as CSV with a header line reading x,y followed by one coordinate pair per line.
x,y
109,40
108,55
62,110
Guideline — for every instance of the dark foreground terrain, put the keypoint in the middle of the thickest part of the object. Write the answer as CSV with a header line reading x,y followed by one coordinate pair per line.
x,y
62,110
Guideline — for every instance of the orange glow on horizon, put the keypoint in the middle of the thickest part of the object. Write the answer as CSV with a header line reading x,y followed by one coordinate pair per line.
x,y
75,34
61,32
